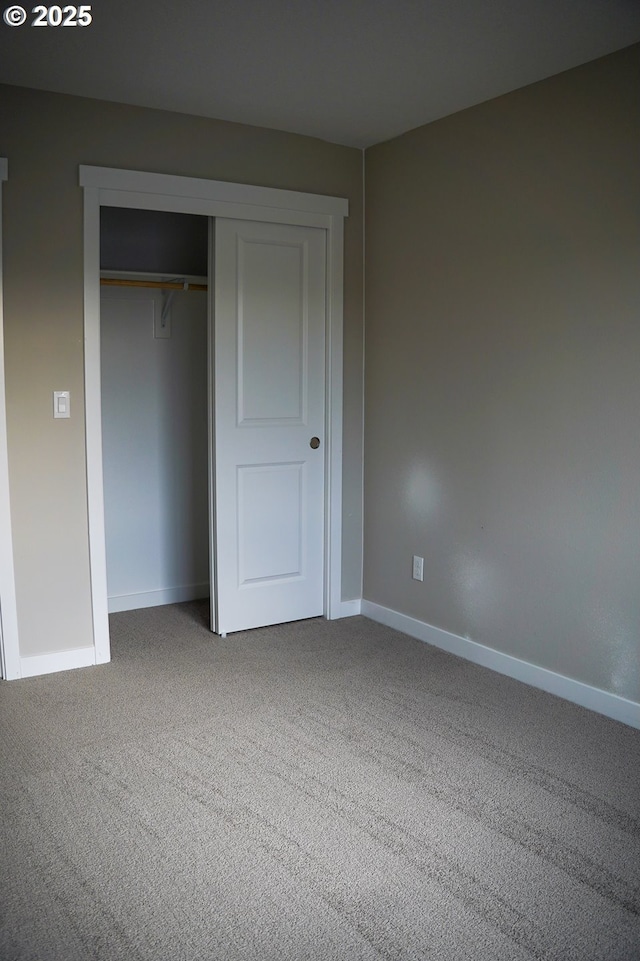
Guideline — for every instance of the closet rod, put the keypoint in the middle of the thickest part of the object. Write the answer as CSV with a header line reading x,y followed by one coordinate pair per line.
x,y
160,284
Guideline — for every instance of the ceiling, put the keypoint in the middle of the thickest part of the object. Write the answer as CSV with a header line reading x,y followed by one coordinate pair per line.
x,y
355,72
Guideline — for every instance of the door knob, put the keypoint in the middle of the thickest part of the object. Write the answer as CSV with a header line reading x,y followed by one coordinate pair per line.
x,y
314,443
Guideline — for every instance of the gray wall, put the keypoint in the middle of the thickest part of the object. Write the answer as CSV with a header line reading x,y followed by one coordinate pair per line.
x,y
502,437
45,137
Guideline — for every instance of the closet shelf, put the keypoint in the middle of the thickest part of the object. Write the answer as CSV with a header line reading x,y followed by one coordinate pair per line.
x,y
158,284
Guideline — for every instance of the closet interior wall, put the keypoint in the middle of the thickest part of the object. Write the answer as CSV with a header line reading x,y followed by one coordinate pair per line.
x,y
154,409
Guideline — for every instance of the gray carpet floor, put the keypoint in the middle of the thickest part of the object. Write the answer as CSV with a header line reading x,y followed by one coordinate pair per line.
x,y
310,792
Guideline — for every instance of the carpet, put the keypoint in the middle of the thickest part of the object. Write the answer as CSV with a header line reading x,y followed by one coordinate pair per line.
x,y
310,792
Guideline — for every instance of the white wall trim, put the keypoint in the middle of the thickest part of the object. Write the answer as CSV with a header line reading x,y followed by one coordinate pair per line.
x,y
211,439
611,705
350,608
59,661
333,417
131,188
167,595
216,191
93,426
364,362
9,644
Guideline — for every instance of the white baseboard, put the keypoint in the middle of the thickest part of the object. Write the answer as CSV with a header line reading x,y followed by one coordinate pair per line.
x,y
350,608
169,595
611,705
58,661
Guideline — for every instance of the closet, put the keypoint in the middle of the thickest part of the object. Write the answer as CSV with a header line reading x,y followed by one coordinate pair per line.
x,y
154,406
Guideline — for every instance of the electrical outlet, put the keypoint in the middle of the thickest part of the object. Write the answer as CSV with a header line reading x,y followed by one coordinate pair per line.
x,y
418,568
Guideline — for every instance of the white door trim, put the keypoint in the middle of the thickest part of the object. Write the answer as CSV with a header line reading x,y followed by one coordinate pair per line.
x,y
9,648
105,186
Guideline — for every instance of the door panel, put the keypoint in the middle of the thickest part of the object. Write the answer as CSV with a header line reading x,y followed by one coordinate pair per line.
x,y
269,377
270,511
272,333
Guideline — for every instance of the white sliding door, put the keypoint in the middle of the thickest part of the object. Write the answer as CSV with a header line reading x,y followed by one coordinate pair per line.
x,y
269,423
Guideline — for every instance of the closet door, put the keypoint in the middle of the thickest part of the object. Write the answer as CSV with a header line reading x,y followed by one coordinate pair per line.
x,y
269,423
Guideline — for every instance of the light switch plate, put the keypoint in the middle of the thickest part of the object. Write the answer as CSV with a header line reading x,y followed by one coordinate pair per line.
x,y
61,403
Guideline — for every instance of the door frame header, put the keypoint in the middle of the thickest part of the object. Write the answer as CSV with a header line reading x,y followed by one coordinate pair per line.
x,y
217,191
